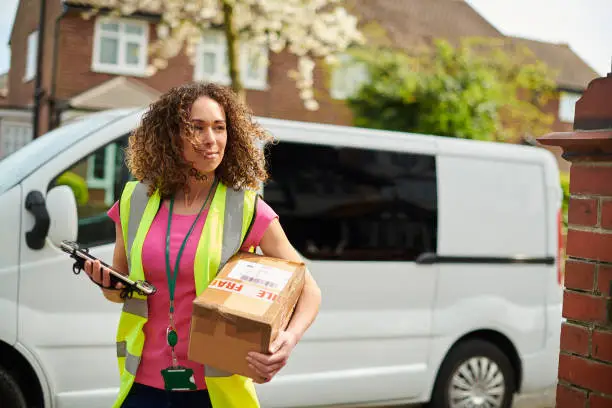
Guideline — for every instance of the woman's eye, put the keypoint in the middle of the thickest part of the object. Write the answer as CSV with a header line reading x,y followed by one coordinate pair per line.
x,y
199,128
220,128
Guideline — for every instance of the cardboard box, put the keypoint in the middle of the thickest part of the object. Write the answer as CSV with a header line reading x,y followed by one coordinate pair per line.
x,y
242,310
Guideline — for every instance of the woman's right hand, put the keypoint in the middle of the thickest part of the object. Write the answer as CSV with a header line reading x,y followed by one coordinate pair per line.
x,y
100,275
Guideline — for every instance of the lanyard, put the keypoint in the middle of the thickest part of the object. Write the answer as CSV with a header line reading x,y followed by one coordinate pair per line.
x,y
172,276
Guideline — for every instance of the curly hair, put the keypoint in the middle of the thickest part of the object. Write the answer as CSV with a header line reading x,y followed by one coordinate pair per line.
x,y
154,152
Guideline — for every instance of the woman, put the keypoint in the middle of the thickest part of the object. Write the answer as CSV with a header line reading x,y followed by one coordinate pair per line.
x,y
198,142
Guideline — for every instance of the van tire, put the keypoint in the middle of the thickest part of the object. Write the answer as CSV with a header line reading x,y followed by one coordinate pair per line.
x,y
10,393
461,354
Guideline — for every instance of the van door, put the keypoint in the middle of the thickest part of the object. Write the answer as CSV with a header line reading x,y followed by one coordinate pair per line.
x,y
10,203
360,217
64,320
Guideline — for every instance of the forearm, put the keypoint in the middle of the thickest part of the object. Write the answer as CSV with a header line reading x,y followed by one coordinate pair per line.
x,y
274,243
306,309
119,264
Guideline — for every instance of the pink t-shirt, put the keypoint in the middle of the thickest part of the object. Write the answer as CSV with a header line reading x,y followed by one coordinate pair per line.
x,y
156,354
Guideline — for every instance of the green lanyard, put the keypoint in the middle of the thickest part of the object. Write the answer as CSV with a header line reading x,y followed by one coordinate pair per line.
x,y
172,276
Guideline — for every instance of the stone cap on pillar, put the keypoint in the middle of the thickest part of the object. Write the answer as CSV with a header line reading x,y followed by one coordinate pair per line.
x,y
591,139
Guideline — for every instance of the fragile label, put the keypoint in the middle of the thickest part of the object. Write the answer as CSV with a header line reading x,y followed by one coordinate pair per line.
x,y
259,274
244,289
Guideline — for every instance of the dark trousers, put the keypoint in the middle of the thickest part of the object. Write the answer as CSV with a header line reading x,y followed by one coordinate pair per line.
x,y
143,396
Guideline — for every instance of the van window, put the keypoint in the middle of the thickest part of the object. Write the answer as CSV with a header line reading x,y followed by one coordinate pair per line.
x,y
339,203
97,182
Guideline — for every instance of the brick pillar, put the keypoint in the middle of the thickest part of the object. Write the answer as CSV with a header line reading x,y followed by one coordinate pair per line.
x,y
585,359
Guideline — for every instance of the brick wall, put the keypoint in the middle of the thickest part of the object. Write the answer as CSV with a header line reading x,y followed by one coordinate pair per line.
x,y
26,21
75,57
281,101
585,361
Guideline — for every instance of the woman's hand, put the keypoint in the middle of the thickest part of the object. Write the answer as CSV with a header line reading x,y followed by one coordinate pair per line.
x,y
100,275
268,365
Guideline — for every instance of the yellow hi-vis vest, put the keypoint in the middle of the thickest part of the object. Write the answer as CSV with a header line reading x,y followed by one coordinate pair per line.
x,y
229,218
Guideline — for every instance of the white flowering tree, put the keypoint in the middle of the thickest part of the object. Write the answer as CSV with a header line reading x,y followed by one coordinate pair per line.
x,y
309,29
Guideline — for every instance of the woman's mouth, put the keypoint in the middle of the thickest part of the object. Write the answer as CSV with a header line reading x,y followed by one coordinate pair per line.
x,y
209,155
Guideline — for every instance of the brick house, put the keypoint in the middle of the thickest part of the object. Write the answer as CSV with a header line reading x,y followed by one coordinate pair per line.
x,y
101,63
105,59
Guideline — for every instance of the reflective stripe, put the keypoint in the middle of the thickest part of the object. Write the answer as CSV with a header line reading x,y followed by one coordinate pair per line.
x,y
136,306
208,253
215,372
146,219
138,203
124,208
121,348
249,213
232,224
131,363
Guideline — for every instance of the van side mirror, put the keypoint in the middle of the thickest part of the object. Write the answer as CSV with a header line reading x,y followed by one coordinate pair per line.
x,y
63,215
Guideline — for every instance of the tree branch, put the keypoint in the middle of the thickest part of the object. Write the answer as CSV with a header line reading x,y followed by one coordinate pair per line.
x,y
232,50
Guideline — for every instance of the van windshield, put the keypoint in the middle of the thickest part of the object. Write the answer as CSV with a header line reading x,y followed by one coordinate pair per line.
x,y
15,167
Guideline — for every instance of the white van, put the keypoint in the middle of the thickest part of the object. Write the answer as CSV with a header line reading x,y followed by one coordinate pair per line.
x,y
437,258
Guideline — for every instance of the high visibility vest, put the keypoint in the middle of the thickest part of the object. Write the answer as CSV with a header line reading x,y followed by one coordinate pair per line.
x,y
229,218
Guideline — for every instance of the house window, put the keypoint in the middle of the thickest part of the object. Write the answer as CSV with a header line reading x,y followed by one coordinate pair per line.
x,y
254,62
13,136
212,62
567,106
31,57
347,77
120,46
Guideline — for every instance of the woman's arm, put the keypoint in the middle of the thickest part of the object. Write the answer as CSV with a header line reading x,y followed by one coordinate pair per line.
x,y
275,243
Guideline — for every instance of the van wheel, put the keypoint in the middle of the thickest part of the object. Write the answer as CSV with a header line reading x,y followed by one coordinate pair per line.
x,y
475,374
10,393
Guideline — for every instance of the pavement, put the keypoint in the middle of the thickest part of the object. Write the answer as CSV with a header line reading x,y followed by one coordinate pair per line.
x,y
544,399
541,400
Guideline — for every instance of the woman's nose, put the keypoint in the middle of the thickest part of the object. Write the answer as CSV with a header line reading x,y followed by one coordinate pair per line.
x,y
208,136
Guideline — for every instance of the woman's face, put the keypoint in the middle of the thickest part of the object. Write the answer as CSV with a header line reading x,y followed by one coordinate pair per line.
x,y
207,147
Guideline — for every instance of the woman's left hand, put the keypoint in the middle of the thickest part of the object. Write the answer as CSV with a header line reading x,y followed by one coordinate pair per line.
x,y
268,365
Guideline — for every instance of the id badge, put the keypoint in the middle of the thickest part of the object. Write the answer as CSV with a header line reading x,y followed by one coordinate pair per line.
x,y
179,379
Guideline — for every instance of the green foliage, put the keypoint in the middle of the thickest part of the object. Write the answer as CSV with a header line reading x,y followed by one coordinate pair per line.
x,y
77,184
482,90
565,181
